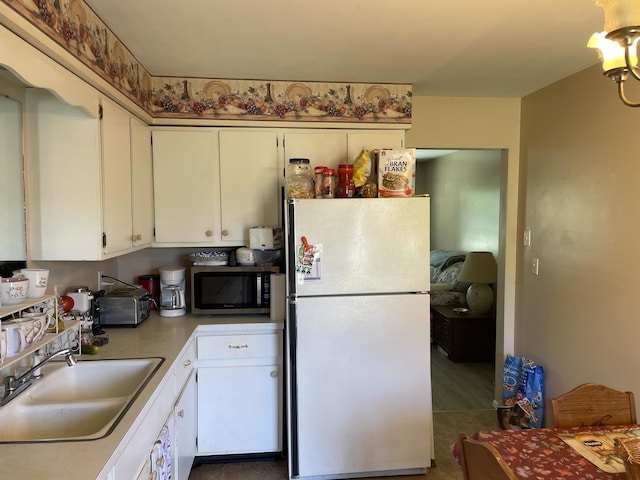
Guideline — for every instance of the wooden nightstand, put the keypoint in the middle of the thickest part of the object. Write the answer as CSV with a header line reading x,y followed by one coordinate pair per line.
x,y
465,337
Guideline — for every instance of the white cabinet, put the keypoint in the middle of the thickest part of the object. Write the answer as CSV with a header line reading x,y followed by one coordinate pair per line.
x,y
116,177
12,218
141,183
249,183
80,180
165,449
212,185
240,391
331,148
185,413
186,186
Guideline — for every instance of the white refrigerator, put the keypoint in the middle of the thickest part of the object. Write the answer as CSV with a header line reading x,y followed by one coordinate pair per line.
x,y
357,329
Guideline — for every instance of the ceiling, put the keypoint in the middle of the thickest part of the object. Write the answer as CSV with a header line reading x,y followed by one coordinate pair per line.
x,y
491,48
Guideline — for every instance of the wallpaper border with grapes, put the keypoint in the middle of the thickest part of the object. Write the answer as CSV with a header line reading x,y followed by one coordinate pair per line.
x,y
73,25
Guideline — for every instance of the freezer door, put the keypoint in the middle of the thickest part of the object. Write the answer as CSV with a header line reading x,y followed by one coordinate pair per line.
x,y
365,245
360,392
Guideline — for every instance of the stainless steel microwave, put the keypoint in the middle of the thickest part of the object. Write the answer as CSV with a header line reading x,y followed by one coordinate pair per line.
x,y
229,290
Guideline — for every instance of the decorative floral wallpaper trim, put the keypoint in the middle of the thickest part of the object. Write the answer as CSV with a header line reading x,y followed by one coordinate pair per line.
x,y
73,25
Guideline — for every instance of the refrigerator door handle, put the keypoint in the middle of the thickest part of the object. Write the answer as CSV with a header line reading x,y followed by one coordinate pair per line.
x,y
293,393
291,245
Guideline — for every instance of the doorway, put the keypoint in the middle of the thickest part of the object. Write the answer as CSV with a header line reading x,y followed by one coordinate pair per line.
x,y
465,186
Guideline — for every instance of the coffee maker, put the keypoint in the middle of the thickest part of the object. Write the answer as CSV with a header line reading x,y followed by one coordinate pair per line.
x,y
172,286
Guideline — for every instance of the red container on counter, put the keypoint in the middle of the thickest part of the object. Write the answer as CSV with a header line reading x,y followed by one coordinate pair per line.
x,y
345,187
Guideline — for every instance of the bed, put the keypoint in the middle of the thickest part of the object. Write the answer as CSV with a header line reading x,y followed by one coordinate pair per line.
x,y
445,288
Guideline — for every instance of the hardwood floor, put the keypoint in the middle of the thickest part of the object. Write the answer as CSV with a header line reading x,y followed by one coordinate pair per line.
x,y
461,386
462,403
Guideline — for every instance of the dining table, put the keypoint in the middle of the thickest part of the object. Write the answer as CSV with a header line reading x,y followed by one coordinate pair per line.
x,y
543,453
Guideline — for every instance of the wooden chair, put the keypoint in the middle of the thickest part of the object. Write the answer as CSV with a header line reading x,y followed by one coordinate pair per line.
x,y
481,461
593,404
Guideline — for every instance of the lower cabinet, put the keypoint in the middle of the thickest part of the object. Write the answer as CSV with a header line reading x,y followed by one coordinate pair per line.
x,y
163,445
184,413
240,392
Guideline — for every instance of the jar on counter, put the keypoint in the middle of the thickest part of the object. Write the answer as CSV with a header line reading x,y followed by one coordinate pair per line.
x,y
346,187
299,182
328,183
318,171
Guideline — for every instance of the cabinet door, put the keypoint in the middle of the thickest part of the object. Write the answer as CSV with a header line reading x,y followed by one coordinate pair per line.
x,y
186,186
141,183
63,144
249,183
116,177
370,140
185,420
238,409
324,148
12,219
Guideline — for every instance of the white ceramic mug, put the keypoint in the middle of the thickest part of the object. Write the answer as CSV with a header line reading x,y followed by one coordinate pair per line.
x,y
13,290
3,345
42,321
37,281
31,328
15,339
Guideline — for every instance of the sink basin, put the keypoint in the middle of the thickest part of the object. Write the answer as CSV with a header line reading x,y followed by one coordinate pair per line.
x,y
83,402
91,379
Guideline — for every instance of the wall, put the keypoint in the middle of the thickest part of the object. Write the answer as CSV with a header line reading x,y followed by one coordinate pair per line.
x,y
494,123
465,199
577,317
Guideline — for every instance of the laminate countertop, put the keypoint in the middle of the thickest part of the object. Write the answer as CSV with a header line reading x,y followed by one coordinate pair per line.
x,y
84,460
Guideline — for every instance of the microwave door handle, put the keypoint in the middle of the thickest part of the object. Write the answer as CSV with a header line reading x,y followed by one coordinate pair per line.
x,y
259,290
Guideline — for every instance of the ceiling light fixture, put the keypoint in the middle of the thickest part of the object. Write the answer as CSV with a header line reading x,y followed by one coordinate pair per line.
x,y
618,44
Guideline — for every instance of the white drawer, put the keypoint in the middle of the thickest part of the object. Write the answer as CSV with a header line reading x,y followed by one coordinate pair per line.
x,y
229,347
185,365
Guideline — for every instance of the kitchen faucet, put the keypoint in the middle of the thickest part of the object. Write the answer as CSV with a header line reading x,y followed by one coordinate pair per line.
x,y
14,386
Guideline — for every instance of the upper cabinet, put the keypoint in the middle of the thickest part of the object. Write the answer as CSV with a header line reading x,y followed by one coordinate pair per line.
x,y
212,185
330,148
80,180
249,183
186,186
127,180
12,214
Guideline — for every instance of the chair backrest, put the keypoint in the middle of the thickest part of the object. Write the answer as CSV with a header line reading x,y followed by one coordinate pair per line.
x,y
481,461
593,404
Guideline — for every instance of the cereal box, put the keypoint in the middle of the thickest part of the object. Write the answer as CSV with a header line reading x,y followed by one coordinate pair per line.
x,y
396,172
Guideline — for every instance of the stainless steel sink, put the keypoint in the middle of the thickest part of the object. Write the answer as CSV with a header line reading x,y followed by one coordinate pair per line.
x,y
82,402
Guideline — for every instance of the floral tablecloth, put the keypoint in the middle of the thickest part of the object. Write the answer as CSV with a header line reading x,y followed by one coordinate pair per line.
x,y
541,454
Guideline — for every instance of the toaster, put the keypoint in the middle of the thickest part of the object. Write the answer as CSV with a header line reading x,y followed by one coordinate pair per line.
x,y
125,306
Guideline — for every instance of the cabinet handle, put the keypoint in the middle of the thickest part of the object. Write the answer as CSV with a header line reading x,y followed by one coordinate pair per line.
x,y
225,233
209,233
239,346
139,237
181,413
274,374
187,363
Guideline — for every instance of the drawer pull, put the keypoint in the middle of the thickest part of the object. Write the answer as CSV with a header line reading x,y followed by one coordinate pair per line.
x,y
181,413
239,346
187,363
274,374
